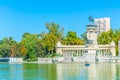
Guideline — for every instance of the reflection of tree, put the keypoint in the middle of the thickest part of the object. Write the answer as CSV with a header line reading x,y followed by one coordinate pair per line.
x,y
106,71
71,71
47,71
117,72
30,71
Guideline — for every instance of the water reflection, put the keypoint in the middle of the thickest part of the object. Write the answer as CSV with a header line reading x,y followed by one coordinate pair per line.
x,y
73,71
11,71
15,72
39,71
93,72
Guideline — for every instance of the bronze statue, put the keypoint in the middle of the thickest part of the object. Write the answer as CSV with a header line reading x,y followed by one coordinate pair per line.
x,y
91,20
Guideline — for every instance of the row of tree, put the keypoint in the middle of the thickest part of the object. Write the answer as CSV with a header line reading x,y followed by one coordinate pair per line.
x,y
33,46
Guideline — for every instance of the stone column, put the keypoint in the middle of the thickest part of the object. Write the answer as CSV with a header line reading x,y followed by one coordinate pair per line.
x,y
113,48
119,48
72,52
59,48
108,52
105,52
100,52
81,53
77,53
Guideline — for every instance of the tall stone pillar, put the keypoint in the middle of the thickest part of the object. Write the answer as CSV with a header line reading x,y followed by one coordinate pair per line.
x,y
119,48
80,52
107,52
101,52
59,48
113,48
77,53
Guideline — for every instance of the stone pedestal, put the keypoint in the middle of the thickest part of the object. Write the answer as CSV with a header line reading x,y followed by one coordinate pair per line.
x,y
90,56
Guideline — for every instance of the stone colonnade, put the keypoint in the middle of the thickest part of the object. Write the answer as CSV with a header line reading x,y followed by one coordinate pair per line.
x,y
104,52
72,52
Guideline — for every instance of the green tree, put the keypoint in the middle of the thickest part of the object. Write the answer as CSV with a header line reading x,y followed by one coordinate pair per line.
x,y
72,39
55,29
84,37
8,47
49,40
108,37
28,46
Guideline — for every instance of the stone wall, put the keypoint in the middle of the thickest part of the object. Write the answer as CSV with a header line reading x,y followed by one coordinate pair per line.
x,y
15,60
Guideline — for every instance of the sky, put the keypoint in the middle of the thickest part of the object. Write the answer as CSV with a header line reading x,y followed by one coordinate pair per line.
x,y
20,16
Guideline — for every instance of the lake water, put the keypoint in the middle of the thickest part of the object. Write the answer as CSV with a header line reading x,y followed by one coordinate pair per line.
x,y
73,71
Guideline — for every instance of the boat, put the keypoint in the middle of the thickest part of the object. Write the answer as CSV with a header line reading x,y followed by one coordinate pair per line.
x,y
87,64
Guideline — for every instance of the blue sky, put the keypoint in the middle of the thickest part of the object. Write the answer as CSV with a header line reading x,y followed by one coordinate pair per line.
x,y
20,16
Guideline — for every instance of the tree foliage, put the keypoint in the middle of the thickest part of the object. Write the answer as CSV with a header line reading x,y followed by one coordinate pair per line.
x,y
108,37
28,46
49,40
8,48
73,39
84,37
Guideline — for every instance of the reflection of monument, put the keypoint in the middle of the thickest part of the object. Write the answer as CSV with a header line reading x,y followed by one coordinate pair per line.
x,y
102,72
91,51
71,71
93,72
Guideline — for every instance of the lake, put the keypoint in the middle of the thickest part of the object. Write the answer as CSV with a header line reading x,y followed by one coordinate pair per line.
x,y
63,71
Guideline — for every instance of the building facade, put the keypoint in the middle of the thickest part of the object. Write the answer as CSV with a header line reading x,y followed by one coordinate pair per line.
x,y
103,24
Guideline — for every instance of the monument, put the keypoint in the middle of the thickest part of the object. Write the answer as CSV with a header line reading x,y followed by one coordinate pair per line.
x,y
91,51
91,43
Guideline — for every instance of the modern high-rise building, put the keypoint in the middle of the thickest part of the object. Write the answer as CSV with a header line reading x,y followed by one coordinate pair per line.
x,y
103,24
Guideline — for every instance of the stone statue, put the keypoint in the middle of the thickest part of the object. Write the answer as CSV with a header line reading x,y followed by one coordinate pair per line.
x,y
91,20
